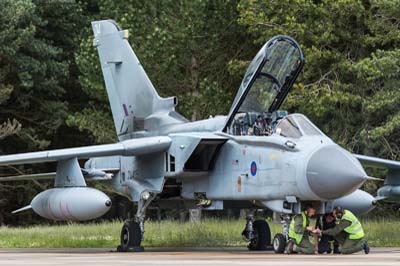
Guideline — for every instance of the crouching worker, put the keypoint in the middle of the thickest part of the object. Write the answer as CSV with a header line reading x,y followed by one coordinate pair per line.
x,y
299,233
348,232
327,221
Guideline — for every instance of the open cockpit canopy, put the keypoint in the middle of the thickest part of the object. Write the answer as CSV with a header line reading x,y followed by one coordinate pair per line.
x,y
265,85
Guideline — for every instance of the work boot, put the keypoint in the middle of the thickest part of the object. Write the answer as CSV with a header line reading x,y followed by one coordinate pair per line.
x,y
336,250
366,247
329,250
290,246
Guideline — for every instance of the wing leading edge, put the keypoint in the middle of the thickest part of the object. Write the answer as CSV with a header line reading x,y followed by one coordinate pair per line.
x,y
132,147
377,162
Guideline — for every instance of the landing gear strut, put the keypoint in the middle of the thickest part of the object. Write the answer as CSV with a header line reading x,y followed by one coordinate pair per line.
x,y
280,240
132,232
257,233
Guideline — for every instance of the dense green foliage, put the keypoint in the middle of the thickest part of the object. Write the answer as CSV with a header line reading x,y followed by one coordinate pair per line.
x,y
349,87
37,43
52,92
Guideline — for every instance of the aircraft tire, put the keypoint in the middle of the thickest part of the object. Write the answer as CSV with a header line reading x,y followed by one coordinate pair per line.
x,y
279,243
263,239
131,236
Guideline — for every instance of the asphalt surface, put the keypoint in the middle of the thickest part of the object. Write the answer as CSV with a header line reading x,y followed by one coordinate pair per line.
x,y
190,256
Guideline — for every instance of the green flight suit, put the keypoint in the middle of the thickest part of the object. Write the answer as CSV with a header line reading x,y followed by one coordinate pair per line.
x,y
305,246
348,246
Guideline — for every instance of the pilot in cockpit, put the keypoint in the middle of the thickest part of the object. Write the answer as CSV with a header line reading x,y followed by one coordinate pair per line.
x,y
252,123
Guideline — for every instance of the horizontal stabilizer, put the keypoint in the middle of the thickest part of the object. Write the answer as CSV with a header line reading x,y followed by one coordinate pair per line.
x,y
22,209
131,147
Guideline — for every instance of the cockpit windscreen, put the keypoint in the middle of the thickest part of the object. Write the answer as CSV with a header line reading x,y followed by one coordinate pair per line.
x,y
295,126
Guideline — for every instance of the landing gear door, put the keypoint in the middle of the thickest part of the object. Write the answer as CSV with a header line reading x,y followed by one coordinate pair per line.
x,y
265,85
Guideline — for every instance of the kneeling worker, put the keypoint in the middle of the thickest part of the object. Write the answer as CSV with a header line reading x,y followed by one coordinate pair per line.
x,y
348,232
299,232
325,222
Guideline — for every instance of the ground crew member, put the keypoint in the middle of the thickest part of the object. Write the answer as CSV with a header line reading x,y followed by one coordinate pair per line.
x,y
327,221
299,232
348,232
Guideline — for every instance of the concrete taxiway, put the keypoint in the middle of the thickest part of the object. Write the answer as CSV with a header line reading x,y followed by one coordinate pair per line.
x,y
190,256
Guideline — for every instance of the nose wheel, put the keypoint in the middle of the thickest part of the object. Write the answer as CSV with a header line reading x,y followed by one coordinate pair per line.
x,y
280,240
279,243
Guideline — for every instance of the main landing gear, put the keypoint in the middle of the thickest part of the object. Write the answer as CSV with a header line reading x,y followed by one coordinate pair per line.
x,y
132,232
257,233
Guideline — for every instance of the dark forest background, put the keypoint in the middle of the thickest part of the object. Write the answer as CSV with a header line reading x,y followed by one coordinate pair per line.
x,y
52,93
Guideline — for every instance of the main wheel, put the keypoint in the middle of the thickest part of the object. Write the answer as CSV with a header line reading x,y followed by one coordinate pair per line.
x,y
131,236
262,236
279,243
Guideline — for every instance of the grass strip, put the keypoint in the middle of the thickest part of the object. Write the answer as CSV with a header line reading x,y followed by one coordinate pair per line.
x,y
208,233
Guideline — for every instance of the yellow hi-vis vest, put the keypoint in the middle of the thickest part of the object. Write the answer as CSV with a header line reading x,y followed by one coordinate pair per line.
x,y
355,230
292,233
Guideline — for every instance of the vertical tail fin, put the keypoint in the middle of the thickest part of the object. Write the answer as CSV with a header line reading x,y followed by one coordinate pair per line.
x,y
132,96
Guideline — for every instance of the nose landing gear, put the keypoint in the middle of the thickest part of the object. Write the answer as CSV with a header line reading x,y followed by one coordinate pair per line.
x,y
279,243
280,240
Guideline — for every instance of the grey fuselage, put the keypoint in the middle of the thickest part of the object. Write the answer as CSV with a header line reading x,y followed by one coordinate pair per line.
x,y
280,169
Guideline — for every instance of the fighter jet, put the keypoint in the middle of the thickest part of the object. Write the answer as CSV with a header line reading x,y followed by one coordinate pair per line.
x,y
256,157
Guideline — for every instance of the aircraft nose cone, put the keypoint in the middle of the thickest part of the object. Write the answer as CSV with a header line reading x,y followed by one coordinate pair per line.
x,y
333,172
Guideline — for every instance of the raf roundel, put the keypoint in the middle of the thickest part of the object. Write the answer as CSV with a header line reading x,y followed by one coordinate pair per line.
x,y
253,168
